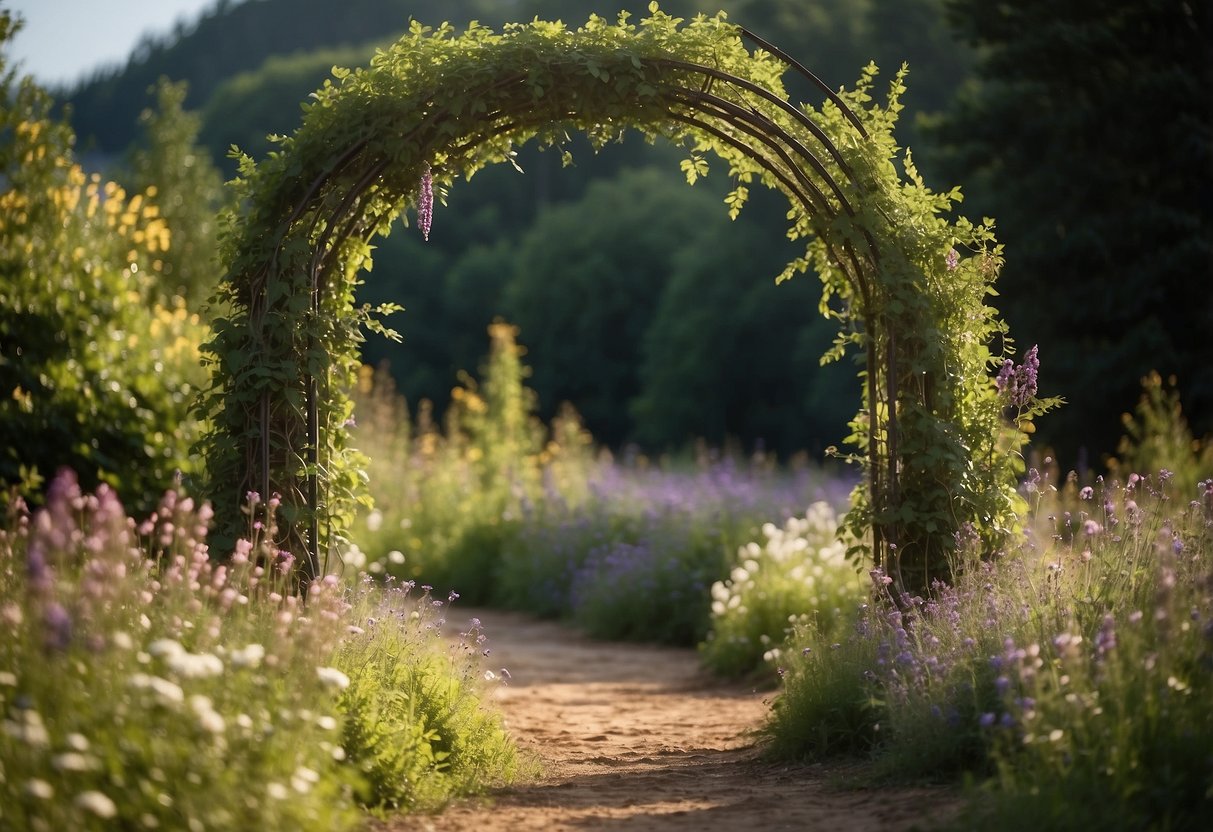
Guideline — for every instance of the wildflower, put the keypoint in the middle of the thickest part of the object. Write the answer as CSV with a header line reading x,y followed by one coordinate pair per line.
x,y
1105,639
425,202
97,803
58,624
303,779
39,789
331,677
1018,383
248,656
11,614
71,761
168,693
195,665
952,260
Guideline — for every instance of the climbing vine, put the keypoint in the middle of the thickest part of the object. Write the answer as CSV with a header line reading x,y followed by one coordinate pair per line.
x,y
907,287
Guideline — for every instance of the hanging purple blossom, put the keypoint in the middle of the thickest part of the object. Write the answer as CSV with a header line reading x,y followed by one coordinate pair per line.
x,y
1019,383
425,203
952,260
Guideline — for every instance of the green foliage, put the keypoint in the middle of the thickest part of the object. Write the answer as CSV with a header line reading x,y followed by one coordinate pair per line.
x,y
448,501
798,576
450,104
414,726
587,337
184,182
97,369
1157,437
826,708
248,107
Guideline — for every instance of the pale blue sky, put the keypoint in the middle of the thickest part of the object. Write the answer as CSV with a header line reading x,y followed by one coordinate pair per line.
x,y
63,40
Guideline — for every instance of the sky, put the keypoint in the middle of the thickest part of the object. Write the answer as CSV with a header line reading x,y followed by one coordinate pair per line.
x,y
65,40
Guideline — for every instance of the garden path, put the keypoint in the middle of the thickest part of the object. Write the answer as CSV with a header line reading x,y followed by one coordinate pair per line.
x,y
638,737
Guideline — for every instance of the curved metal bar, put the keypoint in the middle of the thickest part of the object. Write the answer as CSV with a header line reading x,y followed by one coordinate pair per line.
x,y
767,95
803,70
762,125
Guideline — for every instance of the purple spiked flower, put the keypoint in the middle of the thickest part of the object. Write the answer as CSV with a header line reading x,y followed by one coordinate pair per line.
x,y
425,203
1019,383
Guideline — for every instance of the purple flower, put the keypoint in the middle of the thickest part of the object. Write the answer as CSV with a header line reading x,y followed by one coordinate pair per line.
x,y
425,203
58,627
952,260
1018,383
1105,639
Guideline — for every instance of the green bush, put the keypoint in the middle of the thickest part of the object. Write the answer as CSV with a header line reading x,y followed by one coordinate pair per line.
x,y
799,575
97,370
414,726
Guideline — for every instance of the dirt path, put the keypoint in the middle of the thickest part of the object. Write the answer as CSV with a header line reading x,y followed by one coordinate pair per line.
x,y
639,738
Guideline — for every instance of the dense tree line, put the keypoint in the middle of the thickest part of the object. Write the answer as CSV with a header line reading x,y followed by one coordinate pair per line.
x,y
1090,137
1084,130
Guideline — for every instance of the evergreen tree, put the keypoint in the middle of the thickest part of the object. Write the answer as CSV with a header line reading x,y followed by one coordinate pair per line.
x,y
1090,139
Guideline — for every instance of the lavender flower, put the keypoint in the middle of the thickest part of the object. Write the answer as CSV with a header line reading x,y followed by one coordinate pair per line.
x,y
1018,383
425,203
952,260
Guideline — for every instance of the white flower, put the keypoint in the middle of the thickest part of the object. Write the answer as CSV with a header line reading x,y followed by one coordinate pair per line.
x,y
71,761
326,723
77,742
39,789
195,665
30,729
277,791
165,647
249,656
396,557
303,779
355,558
169,693
9,679
331,677
97,803
122,640
374,520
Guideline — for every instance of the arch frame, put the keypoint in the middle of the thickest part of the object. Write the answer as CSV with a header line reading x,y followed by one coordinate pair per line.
x,y
938,454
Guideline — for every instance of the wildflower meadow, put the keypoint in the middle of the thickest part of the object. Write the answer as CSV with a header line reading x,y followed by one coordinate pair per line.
x,y
235,561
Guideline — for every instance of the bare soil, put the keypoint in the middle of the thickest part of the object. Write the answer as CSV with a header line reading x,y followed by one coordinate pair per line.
x,y
639,737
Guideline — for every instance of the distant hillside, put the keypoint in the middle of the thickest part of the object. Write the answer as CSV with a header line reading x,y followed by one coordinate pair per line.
x,y
261,57
235,37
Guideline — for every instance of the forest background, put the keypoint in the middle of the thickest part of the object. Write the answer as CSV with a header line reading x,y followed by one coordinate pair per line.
x,y
1084,128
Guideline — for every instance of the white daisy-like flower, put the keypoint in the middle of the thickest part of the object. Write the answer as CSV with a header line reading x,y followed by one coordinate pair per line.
x,y
331,677
97,803
39,789
248,656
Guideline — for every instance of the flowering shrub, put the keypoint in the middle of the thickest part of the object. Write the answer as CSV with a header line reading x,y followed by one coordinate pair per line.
x,y
1076,668
799,574
143,685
